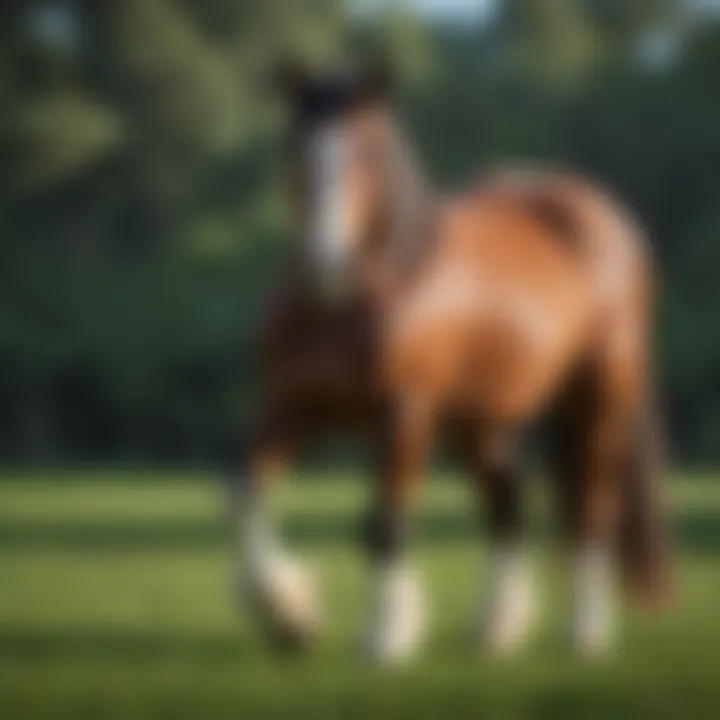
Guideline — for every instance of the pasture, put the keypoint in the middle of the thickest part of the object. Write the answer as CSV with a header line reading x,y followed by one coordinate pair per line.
x,y
115,602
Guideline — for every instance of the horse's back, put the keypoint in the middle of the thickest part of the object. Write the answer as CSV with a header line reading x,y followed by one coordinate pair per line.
x,y
613,255
530,269
577,214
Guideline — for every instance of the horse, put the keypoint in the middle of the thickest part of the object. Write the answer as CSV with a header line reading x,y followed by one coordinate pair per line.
x,y
407,317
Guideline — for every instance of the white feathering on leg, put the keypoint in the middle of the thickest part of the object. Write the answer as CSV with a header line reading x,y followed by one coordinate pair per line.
x,y
508,614
398,614
279,588
593,614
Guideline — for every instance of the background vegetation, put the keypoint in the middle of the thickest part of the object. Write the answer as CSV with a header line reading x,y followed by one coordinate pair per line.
x,y
140,188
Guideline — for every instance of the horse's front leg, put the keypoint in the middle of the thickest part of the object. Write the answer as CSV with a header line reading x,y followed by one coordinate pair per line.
x,y
397,614
275,586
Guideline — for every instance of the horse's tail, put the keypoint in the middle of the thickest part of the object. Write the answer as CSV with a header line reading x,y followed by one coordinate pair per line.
x,y
643,541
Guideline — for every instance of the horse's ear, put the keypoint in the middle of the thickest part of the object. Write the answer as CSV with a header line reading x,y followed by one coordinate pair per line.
x,y
290,77
378,80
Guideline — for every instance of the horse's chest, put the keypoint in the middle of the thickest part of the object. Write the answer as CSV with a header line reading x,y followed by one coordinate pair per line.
x,y
330,359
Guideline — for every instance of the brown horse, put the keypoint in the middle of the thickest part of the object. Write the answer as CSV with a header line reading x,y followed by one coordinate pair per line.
x,y
406,317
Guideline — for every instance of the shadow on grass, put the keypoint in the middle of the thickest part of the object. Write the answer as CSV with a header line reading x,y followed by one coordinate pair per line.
x,y
696,532
104,644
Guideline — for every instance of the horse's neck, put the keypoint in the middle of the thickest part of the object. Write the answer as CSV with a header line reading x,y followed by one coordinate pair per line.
x,y
411,228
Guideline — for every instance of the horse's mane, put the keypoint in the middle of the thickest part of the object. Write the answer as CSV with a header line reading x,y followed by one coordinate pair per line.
x,y
412,222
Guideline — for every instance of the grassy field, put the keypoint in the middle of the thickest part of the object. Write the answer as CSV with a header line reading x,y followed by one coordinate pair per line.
x,y
115,603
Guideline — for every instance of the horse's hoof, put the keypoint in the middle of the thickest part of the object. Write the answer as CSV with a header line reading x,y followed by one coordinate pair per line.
x,y
506,633
592,636
283,598
502,644
293,640
506,627
392,650
591,646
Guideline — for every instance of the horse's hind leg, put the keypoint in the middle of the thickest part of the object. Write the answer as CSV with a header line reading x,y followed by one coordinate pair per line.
x,y
506,608
276,587
595,435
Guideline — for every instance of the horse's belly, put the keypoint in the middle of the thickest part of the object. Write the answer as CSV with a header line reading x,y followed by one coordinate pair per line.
x,y
500,359
513,387
517,367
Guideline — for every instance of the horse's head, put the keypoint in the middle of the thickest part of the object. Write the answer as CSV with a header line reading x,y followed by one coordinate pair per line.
x,y
347,167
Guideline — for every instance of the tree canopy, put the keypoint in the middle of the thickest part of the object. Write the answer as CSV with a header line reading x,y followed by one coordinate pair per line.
x,y
141,212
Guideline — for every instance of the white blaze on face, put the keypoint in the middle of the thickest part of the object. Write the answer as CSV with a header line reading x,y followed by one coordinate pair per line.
x,y
329,233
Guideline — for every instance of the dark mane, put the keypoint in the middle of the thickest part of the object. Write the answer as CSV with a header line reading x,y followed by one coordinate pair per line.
x,y
327,96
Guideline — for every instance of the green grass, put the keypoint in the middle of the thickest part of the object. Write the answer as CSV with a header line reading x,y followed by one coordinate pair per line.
x,y
115,603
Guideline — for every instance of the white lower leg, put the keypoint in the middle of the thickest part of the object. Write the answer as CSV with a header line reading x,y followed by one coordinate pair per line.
x,y
593,614
278,587
507,613
398,613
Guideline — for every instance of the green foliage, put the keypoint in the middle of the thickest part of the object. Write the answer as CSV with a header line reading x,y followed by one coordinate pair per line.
x,y
58,138
141,212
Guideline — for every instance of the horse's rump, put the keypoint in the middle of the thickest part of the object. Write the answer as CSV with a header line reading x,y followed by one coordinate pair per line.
x,y
573,209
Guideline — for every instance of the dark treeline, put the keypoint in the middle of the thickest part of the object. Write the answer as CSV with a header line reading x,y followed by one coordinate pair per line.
x,y
141,212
